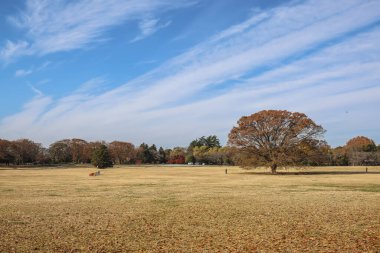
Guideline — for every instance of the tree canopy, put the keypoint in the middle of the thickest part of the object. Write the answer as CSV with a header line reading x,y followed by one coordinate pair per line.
x,y
361,150
122,152
276,138
209,142
361,143
101,158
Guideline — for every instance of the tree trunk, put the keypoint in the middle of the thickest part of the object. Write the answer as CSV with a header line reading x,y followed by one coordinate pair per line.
x,y
273,168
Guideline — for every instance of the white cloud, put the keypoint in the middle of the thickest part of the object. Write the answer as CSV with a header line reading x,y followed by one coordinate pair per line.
x,y
92,86
14,49
24,124
54,26
148,26
317,62
23,72
38,93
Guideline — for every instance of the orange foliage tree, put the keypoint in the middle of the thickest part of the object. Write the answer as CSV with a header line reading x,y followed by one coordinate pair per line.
x,y
276,138
122,152
361,143
361,150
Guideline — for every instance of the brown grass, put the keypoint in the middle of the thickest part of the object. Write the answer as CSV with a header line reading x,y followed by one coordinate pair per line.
x,y
189,209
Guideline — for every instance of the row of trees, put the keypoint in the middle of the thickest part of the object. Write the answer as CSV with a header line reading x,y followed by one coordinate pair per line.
x,y
205,150
358,151
24,151
267,138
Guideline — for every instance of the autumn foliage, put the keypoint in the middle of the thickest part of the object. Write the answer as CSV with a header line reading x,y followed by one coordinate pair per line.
x,y
267,138
276,138
361,143
122,152
359,150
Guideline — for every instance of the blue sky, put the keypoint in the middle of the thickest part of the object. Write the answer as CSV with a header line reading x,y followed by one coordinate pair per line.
x,y
170,71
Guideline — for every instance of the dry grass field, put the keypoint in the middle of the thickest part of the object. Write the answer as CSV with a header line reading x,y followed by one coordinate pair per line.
x,y
189,209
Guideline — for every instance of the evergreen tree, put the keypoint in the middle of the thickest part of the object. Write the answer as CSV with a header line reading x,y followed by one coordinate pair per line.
x,y
162,155
153,154
101,158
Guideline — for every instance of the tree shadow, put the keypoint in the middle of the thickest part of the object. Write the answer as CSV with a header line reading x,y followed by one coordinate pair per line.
x,y
312,173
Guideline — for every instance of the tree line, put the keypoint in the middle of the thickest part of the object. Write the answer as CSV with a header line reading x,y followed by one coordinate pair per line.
x,y
358,151
27,152
266,138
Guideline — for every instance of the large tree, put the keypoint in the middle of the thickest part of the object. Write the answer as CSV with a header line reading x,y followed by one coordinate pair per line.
x,y
60,151
146,154
6,154
276,138
122,152
101,158
77,148
361,143
361,150
25,151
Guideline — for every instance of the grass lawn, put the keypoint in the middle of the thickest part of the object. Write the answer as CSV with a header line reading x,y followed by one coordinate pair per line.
x,y
190,209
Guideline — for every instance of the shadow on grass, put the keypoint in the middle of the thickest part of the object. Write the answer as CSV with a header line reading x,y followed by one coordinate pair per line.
x,y
46,166
311,173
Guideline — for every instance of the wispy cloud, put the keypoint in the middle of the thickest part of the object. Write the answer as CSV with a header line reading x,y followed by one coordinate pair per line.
x,y
324,61
23,72
92,86
14,49
54,26
26,72
27,118
148,26
38,93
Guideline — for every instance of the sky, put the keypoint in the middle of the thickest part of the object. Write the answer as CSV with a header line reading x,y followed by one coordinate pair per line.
x,y
169,71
